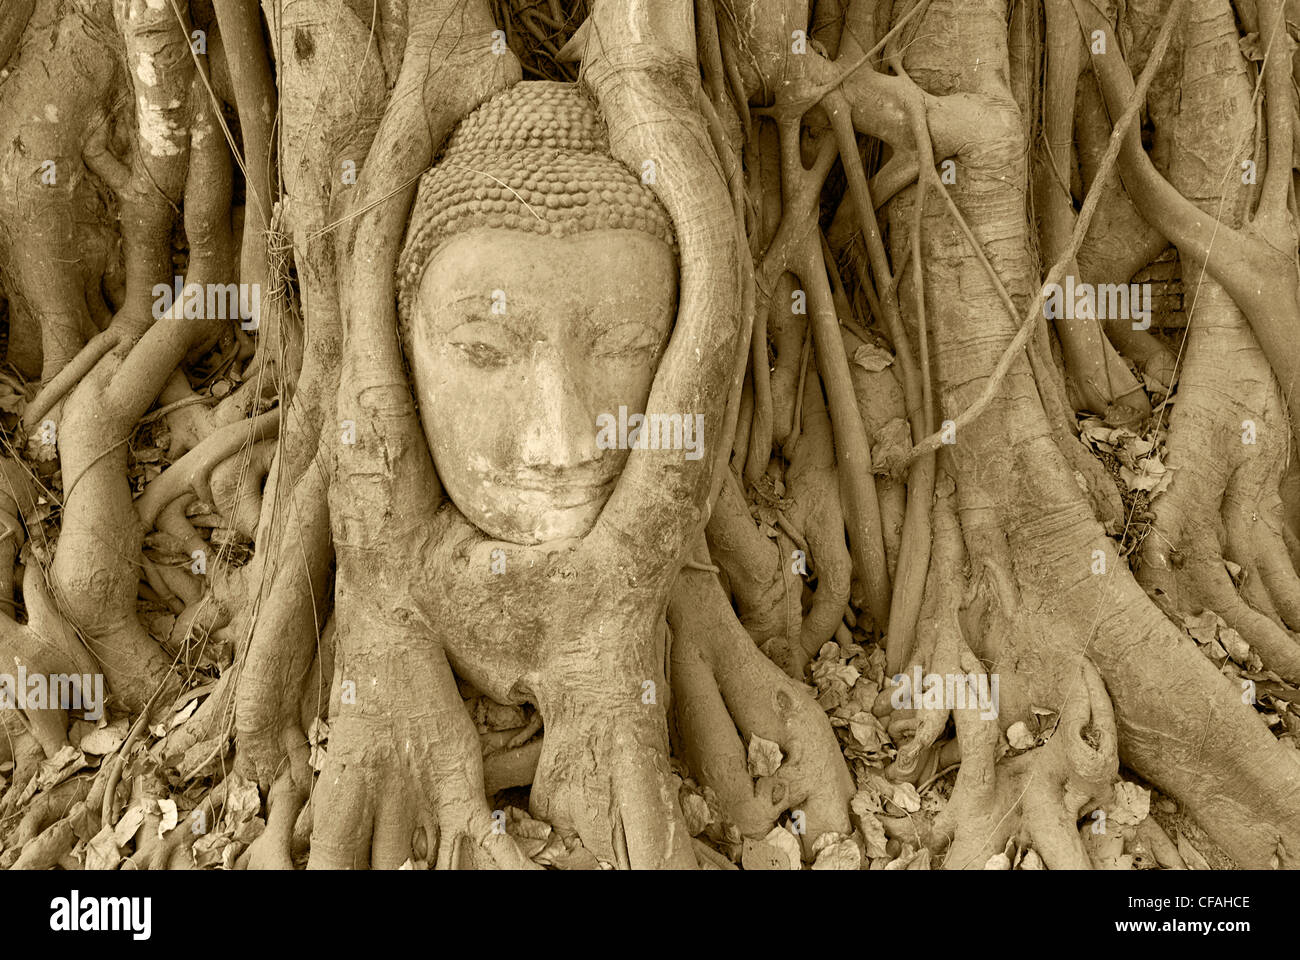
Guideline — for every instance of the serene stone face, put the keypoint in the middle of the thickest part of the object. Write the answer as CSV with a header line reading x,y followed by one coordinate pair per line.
x,y
518,343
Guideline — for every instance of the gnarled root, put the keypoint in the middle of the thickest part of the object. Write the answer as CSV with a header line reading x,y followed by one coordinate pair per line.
x,y
721,683
1037,796
403,757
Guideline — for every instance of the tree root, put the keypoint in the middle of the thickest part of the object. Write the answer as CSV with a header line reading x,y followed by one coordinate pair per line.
x,y
722,682
1037,796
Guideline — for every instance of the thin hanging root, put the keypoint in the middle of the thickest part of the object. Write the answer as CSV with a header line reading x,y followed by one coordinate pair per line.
x,y
797,246
914,547
760,436
805,353
1096,370
1027,325
250,72
940,641
709,47
880,399
788,330
853,454
813,485
736,184
1279,105
798,191
731,63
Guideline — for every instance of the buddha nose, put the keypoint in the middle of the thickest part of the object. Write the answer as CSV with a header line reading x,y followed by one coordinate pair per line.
x,y
559,429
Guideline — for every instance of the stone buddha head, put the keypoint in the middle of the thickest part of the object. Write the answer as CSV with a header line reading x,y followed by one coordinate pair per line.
x,y
537,289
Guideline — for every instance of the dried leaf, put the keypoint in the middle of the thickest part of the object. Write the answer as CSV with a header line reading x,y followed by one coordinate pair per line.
x,y
890,447
1019,736
1236,647
60,766
764,757
184,713
129,824
11,402
1250,47
696,811
866,802
103,851
105,739
911,859
1132,804
873,358
242,800
779,850
873,833
209,850
840,855
318,735
169,816
571,855
905,796
1203,627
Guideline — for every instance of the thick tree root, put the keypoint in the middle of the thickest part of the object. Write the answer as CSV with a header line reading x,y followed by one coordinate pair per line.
x,y
721,683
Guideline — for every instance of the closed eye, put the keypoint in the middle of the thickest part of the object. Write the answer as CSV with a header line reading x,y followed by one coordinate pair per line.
x,y
485,343
630,338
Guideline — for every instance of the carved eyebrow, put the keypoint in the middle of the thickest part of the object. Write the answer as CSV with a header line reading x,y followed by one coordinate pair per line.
x,y
460,320
470,308
467,298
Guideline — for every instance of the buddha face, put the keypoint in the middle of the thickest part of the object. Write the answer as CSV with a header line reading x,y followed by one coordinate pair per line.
x,y
519,343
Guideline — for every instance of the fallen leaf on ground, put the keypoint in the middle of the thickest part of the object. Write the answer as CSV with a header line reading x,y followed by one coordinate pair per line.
x,y
764,757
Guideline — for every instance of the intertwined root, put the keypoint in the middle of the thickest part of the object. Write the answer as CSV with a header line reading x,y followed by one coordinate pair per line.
x,y
1038,796
1218,539
604,775
723,684
403,779
404,767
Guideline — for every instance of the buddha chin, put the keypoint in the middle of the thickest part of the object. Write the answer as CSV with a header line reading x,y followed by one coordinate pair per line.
x,y
519,342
